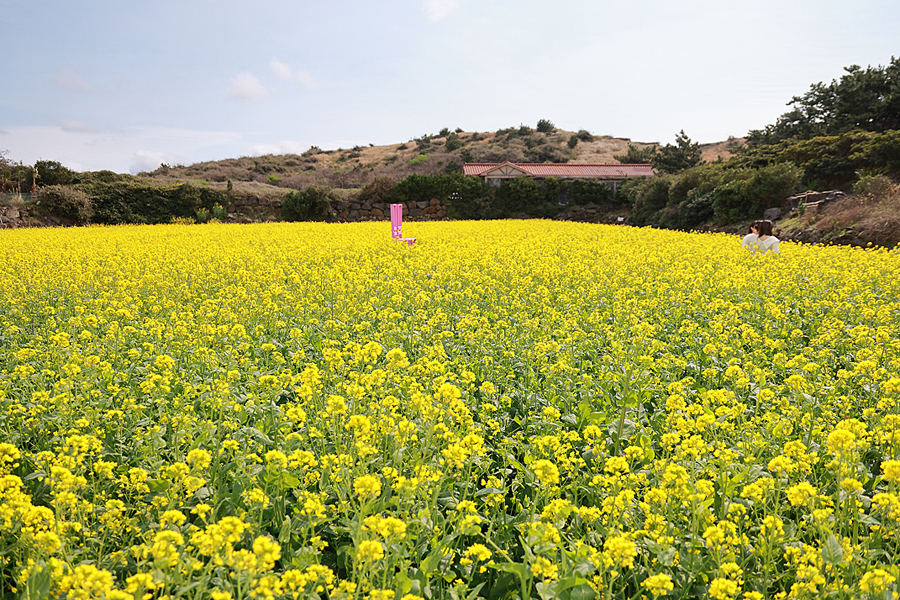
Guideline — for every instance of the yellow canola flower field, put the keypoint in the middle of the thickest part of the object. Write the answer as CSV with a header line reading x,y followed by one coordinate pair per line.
x,y
505,409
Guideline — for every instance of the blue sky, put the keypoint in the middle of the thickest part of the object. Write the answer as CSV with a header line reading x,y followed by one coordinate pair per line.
x,y
125,85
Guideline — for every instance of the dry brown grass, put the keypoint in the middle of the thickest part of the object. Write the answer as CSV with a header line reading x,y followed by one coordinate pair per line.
x,y
354,168
872,216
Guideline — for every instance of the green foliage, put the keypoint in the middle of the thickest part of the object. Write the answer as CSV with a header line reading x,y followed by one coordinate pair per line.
x,y
453,143
545,126
637,156
218,212
130,200
524,195
747,193
652,195
274,180
586,191
202,215
866,99
419,160
311,204
684,154
584,135
573,141
830,162
66,202
379,190
51,172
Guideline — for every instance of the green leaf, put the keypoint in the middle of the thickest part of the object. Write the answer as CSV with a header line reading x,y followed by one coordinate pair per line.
x,y
832,551
488,490
158,485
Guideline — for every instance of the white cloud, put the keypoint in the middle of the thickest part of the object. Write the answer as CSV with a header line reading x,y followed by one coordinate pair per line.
x,y
73,82
75,126
436,10
132,150
245,86
282,147
281,70
149,161
284,73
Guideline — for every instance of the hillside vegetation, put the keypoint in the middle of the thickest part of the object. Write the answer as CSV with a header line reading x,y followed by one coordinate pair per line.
x,y
444,152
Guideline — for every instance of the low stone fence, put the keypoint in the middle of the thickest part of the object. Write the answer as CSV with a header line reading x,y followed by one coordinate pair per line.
x,y
350,211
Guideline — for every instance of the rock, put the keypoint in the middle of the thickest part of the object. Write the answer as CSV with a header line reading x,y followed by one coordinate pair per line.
x,y
417,212
376,212
430,210
421,204
441,214
435,202
772,214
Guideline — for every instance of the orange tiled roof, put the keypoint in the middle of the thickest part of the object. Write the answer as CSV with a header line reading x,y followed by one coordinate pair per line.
x,y
566,171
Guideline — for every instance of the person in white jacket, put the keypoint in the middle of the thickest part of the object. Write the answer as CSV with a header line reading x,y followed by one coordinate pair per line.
x,y
751,237
765,241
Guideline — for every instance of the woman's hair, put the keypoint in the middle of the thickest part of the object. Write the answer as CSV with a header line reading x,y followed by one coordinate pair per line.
x,y
752,225
765,227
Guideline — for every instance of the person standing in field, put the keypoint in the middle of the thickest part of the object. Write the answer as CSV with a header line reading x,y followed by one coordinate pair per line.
x,y
765,241
751,237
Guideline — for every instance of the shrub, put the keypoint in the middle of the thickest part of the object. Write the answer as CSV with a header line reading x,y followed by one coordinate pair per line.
x,y
420,159
66,202
379,190
51,172
573,141
453,143
585,191
584,135
651,198
545,126
311,204
135,201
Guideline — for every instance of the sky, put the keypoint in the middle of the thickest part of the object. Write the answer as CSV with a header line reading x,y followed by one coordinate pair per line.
x,y
126,85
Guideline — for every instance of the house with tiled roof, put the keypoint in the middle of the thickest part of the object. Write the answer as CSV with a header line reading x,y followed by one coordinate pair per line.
x,y
495,173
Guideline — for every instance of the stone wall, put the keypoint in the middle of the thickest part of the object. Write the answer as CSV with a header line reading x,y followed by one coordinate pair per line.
x,y
17,216
350,211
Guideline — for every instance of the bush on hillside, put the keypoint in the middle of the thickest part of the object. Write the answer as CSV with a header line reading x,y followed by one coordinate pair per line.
x,y
51,172
136,201
66,202
311,204
379,190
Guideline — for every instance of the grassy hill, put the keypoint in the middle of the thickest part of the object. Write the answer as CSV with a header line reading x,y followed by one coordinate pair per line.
x,y
353,168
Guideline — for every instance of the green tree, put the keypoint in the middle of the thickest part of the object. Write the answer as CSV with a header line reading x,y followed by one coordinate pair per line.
x,y
311,204
867,99
676,158
50,172
453,143
637,156
545,126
